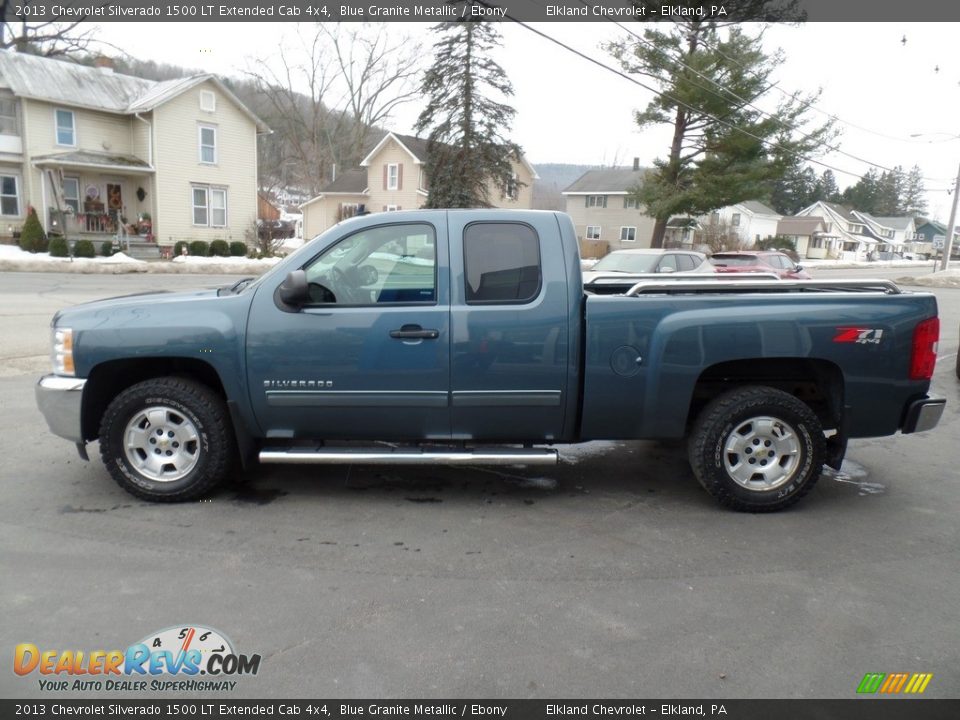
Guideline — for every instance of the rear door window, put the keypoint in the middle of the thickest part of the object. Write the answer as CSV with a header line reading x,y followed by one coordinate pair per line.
x,y
501,263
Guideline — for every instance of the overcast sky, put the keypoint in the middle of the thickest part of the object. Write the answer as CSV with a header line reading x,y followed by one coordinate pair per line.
x,y
571,111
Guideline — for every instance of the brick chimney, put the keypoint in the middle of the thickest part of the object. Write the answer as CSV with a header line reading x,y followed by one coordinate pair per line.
x,y
103,63
636,164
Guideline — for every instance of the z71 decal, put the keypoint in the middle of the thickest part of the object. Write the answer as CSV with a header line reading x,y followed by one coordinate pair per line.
x,y
861,336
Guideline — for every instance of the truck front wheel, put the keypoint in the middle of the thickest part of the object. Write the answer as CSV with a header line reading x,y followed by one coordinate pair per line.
x,y
757,449
167,439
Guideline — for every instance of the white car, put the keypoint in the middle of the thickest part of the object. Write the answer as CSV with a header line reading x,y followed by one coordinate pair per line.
x,y
648,260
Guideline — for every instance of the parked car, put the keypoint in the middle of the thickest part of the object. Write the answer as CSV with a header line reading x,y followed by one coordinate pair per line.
x,y
476,343
765,261
649,260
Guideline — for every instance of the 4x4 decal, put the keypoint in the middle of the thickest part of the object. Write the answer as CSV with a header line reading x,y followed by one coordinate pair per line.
x,y
861,336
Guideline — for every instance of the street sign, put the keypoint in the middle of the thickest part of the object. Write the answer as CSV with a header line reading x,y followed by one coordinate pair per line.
x,y
939,241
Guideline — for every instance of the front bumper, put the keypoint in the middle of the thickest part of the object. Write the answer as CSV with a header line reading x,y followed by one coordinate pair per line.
x,y
923,415
59,399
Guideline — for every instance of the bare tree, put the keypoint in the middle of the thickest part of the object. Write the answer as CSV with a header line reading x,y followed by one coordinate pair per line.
x,y
48,38
325,93
720,236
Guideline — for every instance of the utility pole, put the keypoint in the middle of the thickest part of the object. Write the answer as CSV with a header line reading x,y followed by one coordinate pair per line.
x,y
948,243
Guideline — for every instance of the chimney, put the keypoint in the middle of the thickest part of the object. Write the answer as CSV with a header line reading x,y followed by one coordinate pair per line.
x,y
636,164
103,63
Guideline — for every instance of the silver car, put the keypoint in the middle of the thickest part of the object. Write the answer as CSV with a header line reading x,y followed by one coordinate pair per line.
x,y
649,260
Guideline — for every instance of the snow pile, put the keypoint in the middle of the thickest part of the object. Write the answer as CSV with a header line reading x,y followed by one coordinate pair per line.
x,y
944,279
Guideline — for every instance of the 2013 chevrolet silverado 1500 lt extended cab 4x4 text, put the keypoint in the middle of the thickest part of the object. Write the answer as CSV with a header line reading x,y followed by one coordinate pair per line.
x,y
466,336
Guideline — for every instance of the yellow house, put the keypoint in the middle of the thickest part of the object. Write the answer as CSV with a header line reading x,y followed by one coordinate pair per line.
x,y
100,155
391,177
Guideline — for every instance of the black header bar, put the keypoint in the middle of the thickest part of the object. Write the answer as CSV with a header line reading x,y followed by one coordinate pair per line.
x,y
438,10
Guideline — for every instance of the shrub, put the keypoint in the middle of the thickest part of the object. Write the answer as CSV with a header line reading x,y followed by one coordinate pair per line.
x,y
59,247
32,237
84,249
238,248
106,249
200,248
179,246
219,248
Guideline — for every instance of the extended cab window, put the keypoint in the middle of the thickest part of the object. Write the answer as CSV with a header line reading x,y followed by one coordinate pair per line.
x,y
385,264
501,263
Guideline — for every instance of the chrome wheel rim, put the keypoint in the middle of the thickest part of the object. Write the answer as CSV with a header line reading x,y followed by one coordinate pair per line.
x,y
762,453
162,444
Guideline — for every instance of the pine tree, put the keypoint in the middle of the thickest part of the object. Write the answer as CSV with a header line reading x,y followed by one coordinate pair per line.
x,y
827,187
914,193
468,152
724,150
32,237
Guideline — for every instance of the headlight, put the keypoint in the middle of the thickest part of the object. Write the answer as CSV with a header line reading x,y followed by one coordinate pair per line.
x,y
63,351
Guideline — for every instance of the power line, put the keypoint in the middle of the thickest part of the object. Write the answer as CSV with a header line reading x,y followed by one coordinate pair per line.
x,y
749,103
673,99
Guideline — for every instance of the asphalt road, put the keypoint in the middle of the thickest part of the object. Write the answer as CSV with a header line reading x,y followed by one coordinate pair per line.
x,y
611,575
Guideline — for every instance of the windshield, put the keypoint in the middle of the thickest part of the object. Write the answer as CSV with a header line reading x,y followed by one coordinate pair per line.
x,y
627,263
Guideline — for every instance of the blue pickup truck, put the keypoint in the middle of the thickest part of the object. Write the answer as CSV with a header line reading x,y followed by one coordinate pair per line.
x,y
467,337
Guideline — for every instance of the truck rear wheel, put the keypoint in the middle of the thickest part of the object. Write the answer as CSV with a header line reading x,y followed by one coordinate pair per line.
x,y
167,440
757,449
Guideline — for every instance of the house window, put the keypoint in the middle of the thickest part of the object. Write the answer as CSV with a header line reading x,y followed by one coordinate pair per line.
x,y
392,208
71,193
715,218
630,203
393,176
208,144
209,206
218,207
9,115
596,201
9,195
512,189
66,128
628,234
735,220
208,101
593,232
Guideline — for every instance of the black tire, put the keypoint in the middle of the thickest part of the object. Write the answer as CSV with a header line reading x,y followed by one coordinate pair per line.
x,y
724,447
194,414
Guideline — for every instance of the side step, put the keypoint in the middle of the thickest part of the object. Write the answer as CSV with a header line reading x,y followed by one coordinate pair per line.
x,y
408,456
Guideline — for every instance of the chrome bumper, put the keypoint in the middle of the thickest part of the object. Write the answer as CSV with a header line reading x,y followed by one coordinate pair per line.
x,y
59,399
923,415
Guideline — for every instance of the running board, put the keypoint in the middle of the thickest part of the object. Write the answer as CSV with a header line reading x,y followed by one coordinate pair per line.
x,y
407,456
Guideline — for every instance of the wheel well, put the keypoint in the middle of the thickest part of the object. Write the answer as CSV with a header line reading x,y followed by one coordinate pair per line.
x,y
109,379
818,383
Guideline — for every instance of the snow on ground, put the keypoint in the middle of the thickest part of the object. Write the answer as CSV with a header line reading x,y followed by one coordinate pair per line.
x,y
945,279
12,258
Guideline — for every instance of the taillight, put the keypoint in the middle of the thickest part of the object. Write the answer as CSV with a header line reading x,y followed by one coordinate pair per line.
x,y
925,338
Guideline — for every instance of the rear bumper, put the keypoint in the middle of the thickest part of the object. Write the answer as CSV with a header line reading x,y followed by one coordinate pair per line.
x,y
59,399
923,415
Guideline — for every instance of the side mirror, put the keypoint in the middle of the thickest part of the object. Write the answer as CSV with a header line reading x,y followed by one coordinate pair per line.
x,y
667,270
294,291
797,268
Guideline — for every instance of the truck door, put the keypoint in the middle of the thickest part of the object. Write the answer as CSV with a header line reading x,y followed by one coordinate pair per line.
x,y
369,358
509,328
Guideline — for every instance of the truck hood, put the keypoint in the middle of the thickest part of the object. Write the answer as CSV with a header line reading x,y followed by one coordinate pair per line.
x,y
145,299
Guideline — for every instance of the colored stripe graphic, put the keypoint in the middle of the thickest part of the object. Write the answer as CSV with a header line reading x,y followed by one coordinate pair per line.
x,y
894,683
871,683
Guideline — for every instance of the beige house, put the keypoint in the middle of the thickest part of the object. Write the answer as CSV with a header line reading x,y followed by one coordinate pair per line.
x,y
604,214
101,155
392,177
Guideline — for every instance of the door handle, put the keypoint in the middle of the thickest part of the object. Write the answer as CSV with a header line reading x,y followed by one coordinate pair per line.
x,y
414,332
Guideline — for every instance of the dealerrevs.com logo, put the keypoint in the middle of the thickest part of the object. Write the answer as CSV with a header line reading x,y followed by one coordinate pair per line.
x,y
180,658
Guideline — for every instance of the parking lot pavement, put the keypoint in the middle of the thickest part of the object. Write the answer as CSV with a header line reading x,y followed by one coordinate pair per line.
x,y
611,575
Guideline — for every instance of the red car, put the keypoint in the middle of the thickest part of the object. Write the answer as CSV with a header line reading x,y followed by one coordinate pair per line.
x,y
766,261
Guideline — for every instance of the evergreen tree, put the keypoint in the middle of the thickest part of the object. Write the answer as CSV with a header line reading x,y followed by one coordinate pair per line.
x,y
827,187
914,200
864,195
32,237
795,190
467,146
724,150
